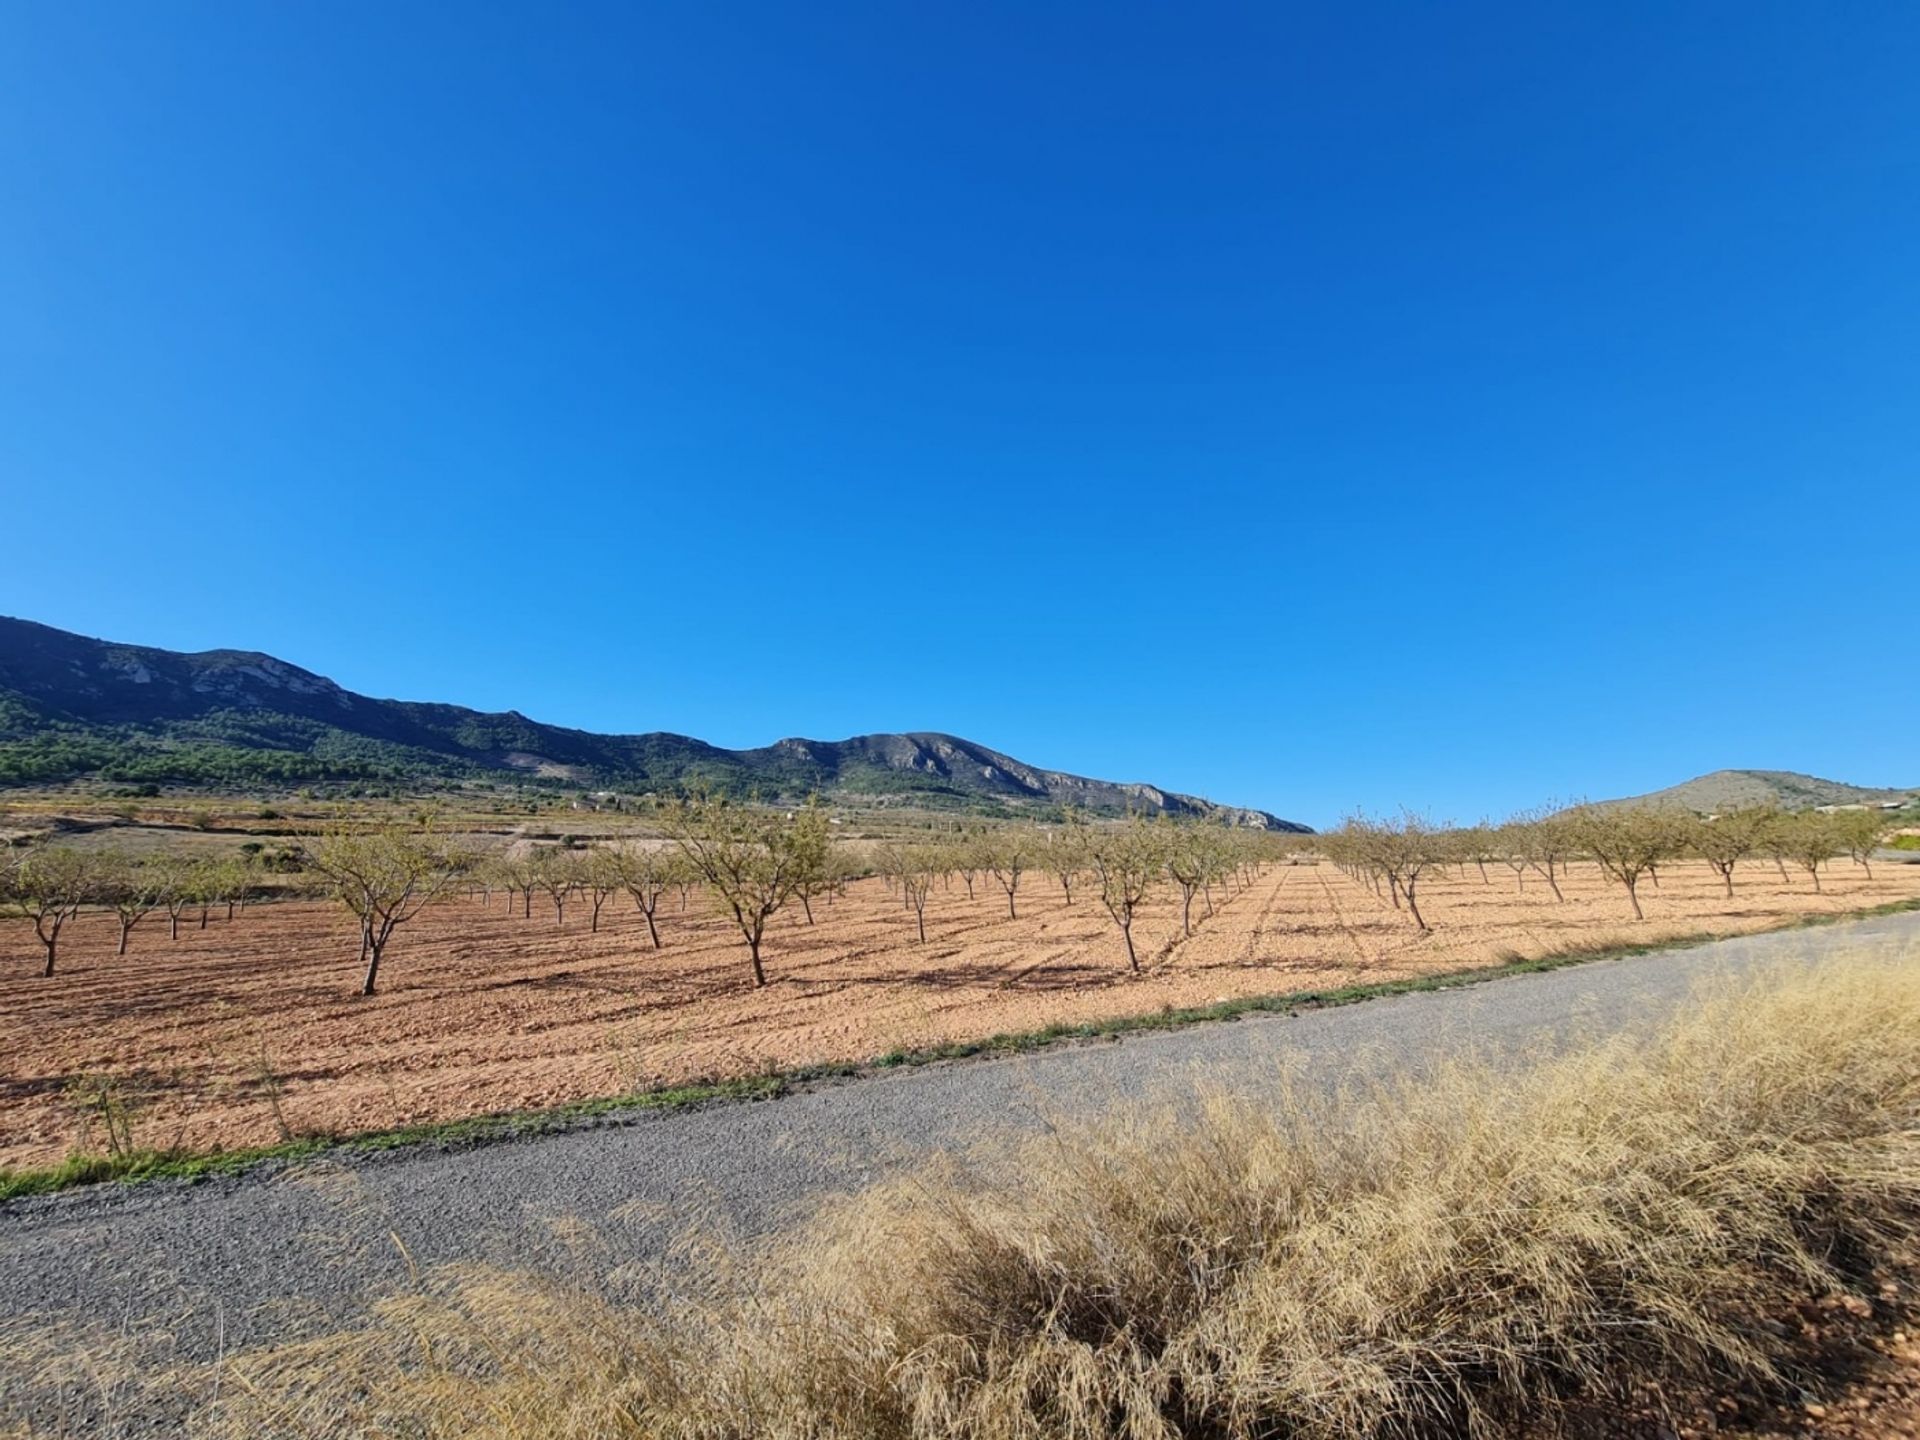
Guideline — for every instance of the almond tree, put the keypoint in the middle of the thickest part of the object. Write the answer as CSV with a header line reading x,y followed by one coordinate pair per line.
x,y
645,872
238,879
557,871
915,866
745,856
1221,852
966,857
1678,830
205,882
1477,844
601,878
132,889
1125,859
1191,861
842,869
1403,850
231,882
889,860
179,886
1810,840
1723,841
517,875
1627,843
1007,857
1547,839
1065,853
811,842
1776,840
1860,832
1514,847
1346,847
49,887
385,877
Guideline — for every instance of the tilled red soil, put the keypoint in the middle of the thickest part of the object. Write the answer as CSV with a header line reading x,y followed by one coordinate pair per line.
x,y
244,1033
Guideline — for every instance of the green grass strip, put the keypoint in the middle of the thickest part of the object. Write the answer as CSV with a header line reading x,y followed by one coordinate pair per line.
x,y
145,1165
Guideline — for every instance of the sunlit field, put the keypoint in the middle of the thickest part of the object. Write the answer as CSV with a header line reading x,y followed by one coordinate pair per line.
x,y
249,1031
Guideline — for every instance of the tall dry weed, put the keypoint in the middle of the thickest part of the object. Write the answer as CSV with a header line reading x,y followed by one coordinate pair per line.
x,y
1453,1253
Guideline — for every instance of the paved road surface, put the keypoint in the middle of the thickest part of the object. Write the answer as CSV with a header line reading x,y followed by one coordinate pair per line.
x,y
237,1262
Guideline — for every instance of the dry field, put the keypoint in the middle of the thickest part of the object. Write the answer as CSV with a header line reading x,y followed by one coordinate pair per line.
x,y
246,1033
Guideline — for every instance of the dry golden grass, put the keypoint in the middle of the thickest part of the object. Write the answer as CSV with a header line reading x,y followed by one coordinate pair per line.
x,y
1462,1252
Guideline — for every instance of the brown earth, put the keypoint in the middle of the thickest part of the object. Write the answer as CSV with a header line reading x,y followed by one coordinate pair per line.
x,y
1859,1377
244,1033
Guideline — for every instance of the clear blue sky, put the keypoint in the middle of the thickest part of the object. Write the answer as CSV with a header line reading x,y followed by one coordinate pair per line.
x,y
1456,406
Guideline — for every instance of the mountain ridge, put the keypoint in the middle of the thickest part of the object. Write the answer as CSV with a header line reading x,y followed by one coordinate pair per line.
x,y
77,708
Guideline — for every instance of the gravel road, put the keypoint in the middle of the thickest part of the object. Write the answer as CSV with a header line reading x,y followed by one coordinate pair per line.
x,y
267,1256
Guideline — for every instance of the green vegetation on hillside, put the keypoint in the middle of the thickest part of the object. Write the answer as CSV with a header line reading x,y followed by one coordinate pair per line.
x,y
77,711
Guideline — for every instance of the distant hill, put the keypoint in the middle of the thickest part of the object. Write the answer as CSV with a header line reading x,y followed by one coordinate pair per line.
x,y
72,708
1731,789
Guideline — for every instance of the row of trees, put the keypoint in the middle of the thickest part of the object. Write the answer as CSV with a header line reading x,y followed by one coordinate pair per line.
x,y
1628,843
1122,864
754,862
50,885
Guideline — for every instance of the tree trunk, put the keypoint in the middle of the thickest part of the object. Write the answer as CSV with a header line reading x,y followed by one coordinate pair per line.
x,y
50,942
229,912
125,926
806,904
373,968
526,905
921,916
1126,933
1186,910
173,926
1011,915
753,951
1633,894
1417,919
